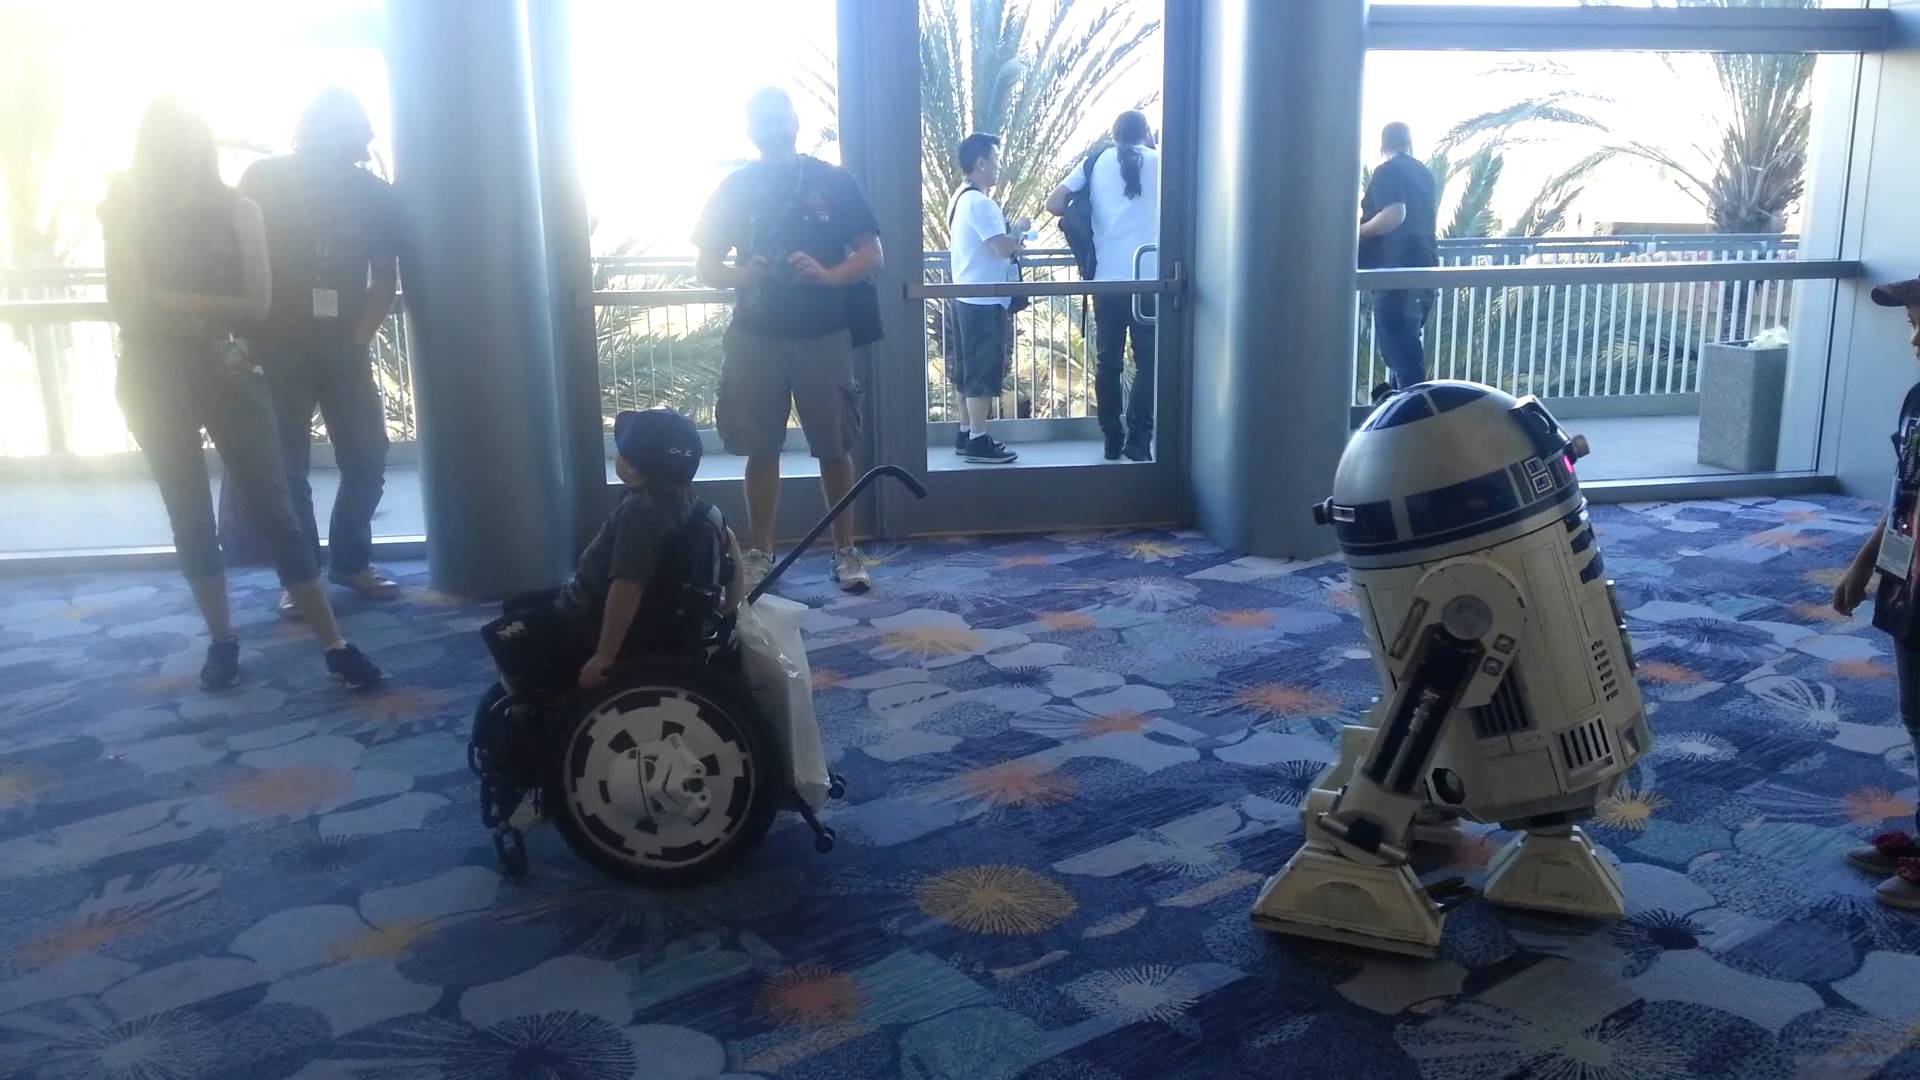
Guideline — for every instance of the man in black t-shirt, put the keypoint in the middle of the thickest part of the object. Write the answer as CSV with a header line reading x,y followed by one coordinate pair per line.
x,y
802,237
333,231
1397,229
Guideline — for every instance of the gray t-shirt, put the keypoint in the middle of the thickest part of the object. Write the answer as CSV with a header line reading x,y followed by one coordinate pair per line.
x,y
627,548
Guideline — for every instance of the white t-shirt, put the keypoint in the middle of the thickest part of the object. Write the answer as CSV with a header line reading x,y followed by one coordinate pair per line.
x,y
1121,225
976,220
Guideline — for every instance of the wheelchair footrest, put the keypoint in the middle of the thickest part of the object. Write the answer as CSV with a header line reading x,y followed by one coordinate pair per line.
x,y
510,846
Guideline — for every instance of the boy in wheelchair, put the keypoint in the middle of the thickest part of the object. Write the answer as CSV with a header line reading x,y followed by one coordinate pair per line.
x,y
662,577
659,576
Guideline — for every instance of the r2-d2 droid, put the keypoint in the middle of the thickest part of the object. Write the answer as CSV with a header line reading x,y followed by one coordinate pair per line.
x,y
1507,675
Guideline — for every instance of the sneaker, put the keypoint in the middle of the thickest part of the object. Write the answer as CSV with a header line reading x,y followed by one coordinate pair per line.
x,y
351,666
1902,890
987,450
1382,392
367,582
1138,449
755,565
288,609
850,571
1116,442
1883,853
960,440
222,668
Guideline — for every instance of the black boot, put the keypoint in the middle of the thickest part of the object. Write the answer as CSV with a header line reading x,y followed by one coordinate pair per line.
x,y
1138,448
1116,444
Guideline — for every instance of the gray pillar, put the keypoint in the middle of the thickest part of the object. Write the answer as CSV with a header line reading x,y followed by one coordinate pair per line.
x,y
474,272
1275,205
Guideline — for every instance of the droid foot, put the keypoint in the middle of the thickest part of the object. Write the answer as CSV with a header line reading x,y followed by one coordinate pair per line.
x,y
1320,895
1559,872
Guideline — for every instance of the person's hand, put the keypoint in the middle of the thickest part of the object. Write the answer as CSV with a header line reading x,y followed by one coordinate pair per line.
x,y
808,269
1851,590
593,674
1021,228
751,272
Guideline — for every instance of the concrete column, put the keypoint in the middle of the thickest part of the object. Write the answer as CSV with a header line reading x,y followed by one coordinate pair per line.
x,y
474,272
1276,201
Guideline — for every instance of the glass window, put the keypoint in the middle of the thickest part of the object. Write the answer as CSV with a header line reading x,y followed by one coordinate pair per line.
x,y
76,80
1580,159
660,94
1050,82
1615,3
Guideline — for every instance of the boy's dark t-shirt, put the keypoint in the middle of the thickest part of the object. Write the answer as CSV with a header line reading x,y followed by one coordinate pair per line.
x,y
772,209
628,547
1401,179
1894,610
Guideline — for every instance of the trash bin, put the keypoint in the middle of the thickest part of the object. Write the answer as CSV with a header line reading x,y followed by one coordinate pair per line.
x,y
1741,388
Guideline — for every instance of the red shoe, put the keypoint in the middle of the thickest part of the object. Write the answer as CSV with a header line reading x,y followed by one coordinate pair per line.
x,y
1883,853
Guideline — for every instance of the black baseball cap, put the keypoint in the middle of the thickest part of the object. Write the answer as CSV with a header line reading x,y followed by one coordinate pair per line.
x,y
1898,293
659,442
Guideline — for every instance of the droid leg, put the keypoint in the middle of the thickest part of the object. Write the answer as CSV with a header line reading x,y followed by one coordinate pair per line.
x,y
1555,869
1350,882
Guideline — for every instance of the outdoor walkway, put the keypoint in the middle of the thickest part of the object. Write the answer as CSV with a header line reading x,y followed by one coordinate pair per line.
x,y
124,512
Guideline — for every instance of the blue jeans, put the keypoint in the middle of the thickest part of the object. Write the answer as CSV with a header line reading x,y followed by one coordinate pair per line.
x,y
1399,320
1906,664
336,378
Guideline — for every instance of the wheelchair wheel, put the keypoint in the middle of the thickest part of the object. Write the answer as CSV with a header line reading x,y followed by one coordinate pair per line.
x,y
664,780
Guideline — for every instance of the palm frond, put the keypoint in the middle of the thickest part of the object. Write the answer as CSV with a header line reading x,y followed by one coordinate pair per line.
x,y
1473,214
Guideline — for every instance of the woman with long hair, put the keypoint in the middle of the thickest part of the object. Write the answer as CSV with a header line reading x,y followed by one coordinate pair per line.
x,y
187,278
1122,185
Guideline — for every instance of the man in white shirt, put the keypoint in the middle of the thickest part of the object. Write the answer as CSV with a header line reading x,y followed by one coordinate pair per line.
x,y
1123,184
979,330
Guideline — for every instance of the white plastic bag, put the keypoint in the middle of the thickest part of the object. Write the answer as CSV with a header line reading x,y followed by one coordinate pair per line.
x,y
775,659
1774,337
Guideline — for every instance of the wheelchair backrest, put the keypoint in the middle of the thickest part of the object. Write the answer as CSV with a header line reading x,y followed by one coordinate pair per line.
x,y
680,608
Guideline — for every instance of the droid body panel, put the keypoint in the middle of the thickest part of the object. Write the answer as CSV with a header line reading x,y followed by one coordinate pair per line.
x,y
1508,694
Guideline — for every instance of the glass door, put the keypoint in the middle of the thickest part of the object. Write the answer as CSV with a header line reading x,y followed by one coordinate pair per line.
x,y
1054,390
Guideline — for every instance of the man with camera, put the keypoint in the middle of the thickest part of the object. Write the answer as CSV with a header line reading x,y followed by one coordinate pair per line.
x,y
802,238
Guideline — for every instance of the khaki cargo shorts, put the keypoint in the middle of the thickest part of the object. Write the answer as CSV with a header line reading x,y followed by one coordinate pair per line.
x,y
764,379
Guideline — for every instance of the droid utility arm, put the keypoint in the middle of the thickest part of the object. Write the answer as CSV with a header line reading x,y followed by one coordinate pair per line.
x,y
1461,633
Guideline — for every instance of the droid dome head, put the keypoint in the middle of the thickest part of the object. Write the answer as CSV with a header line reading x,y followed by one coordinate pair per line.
x,y
1448,467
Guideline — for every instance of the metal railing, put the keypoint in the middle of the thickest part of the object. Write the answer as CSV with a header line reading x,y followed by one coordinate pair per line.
x,y
57,372
1525,314
1589,317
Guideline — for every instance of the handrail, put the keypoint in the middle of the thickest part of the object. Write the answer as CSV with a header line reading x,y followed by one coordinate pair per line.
x,y
54,311
919,291
1467,277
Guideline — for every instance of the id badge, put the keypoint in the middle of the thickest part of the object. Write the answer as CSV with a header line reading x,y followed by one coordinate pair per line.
x,y
326,303
1896,548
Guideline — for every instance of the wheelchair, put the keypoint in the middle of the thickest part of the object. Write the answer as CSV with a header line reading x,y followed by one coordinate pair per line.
x,y
667,775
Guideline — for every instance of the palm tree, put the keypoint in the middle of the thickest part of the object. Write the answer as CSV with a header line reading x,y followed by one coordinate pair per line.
x,y
1751,173
1027,70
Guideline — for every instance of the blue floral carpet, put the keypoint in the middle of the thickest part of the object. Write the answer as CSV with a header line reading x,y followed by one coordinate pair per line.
x,y
1072,760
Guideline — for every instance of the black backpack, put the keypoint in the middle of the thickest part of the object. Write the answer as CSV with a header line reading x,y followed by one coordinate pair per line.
x,y
680,608
1076,224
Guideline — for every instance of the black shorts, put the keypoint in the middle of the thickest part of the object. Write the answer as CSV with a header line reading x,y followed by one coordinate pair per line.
x,y
979,340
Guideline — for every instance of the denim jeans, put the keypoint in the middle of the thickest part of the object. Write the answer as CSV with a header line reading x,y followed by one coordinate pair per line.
x,y
170,389
1113,325
1399,321
1906,664
337,378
